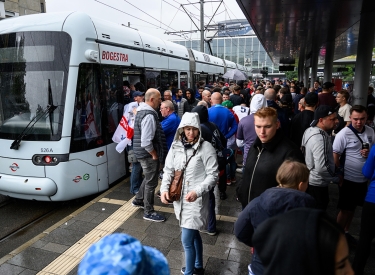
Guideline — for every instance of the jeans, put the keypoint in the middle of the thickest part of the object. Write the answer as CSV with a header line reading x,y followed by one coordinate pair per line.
x,y
212,215
192,243
150,182
366,235
136,177
231,167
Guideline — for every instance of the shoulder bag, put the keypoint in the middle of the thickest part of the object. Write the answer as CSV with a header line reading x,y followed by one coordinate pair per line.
x,y
175,187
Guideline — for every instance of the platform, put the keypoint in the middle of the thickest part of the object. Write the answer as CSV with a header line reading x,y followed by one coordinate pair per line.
x,y
59,249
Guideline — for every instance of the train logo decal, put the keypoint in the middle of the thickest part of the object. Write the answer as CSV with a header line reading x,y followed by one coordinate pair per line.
x,y
14,167
86,176
77,179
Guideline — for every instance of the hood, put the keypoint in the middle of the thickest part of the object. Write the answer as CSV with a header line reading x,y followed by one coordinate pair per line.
x,y
287,243
193,93
276,200
188,119
257,102
202,112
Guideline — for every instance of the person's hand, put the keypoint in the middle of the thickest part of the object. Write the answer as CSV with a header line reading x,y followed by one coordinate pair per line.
x,y
364,152
164,197
191,196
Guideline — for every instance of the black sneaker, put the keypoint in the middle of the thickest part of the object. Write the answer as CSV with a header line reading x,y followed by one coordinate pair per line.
x,y
197,271
139,204
223,196
154,217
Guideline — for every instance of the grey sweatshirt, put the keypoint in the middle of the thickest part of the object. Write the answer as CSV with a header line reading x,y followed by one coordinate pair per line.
x,y
319,157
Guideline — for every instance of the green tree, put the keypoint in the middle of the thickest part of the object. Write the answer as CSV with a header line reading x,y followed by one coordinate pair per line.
x,y
291,75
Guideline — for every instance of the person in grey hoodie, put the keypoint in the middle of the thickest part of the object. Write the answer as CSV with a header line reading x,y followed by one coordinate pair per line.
x,y
317,146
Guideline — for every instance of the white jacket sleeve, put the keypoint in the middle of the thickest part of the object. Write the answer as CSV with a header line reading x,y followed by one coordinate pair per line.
x,y
168,172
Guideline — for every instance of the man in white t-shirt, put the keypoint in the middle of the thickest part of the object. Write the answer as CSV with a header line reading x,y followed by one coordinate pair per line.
x,y
356,141
241,111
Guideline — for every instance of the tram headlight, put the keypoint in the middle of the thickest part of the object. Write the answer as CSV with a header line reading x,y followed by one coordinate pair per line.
x,y
37,159
49,160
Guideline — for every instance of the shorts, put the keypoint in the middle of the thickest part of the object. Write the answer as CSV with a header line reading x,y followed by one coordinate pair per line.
x,y
321,196
351,195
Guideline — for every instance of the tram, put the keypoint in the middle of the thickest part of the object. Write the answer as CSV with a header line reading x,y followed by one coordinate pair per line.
x,y
62,96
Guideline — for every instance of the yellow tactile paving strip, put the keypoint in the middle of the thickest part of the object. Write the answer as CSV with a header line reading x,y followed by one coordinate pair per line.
x,y
71,257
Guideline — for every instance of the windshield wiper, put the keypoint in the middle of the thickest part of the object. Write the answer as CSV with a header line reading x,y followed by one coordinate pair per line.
x,y
16,143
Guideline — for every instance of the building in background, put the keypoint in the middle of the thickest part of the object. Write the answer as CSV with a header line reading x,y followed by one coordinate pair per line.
x,y
236,41
11,8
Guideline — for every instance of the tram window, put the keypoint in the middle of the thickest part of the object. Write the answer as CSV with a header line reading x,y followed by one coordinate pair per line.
x,y
169,80
153,79
184,81
87,130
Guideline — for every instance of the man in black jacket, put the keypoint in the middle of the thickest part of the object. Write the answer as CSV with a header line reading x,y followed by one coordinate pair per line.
x,y
265,156
212,134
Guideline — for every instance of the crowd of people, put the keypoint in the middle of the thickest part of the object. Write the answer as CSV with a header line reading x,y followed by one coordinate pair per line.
x,y
294,142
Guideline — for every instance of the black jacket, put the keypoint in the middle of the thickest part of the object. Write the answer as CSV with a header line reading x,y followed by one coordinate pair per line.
x,y
209,130
262,163
272,202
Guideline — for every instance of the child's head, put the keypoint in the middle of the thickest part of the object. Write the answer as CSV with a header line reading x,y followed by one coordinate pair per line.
x,y
293,174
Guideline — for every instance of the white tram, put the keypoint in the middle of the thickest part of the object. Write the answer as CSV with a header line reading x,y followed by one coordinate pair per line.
x,y
61,98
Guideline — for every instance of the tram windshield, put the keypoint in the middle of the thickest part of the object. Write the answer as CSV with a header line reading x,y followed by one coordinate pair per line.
x,y
33,75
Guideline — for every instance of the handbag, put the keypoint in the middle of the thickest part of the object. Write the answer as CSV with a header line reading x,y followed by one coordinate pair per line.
x,y
175,188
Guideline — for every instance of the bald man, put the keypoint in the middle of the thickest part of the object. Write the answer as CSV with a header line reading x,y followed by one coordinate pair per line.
x,y
150,149
227,124
206,96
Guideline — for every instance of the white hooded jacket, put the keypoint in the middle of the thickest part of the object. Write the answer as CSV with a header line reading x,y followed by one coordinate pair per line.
x,y
200,175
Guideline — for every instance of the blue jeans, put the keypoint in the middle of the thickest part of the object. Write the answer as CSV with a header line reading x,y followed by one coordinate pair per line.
x,y
192,243
212,215
146,192
136,177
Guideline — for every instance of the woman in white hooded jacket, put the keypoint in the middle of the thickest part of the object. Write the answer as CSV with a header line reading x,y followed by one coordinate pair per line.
x,y
200,176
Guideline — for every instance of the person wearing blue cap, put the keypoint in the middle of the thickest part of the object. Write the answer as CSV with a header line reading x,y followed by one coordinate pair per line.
x,y
122,254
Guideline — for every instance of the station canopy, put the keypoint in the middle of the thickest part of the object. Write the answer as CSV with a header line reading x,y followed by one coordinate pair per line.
x,y
290,29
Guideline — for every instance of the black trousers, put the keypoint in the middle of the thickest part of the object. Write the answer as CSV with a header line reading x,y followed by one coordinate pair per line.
x,y
366,235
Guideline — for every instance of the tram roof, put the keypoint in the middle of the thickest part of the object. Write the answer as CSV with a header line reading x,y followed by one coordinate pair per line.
x,y
289,27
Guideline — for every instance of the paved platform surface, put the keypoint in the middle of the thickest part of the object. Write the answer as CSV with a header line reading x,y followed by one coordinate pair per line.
x,y
59,249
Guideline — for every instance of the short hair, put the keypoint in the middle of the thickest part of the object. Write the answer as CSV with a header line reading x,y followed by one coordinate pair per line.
x,y
291,173
168,104
167,91
358,109
202,102
150,94
237,88
267,112
345,94
216,90
201,88
284,91
270,95
371,89
222,83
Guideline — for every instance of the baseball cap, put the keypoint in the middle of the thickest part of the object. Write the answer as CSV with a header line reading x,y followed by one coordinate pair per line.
x,y
122,254
311,99
228,104
138,93
321,112
328,85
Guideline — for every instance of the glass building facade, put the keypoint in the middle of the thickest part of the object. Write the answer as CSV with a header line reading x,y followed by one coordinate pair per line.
x,y
245,50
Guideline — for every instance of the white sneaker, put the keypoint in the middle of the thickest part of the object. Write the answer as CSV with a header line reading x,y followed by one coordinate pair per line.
x,y
239,170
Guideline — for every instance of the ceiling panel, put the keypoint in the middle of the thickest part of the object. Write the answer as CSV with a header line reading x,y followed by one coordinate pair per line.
x,y
293,28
